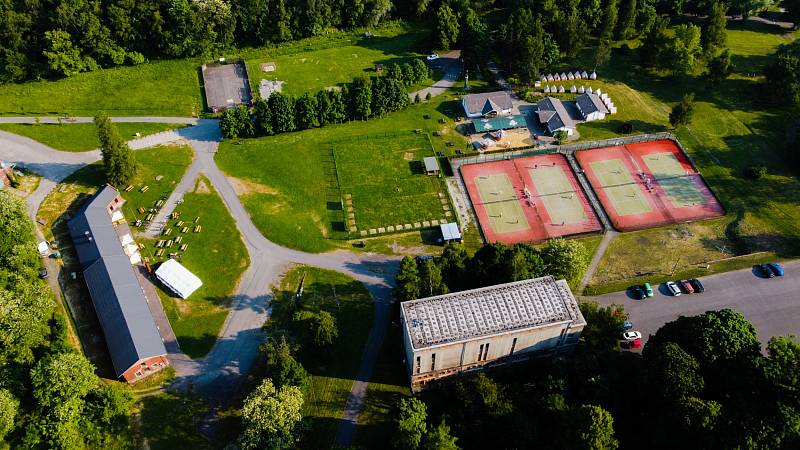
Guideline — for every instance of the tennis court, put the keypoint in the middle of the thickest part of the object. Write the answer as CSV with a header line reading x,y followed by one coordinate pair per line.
x,y
648,184
529,199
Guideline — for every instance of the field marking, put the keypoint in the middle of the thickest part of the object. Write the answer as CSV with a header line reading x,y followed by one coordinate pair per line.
x,y
619,185
671,175
557,193
503,209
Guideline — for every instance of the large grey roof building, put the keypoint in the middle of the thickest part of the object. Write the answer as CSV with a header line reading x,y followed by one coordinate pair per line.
x,y
487,104
467,330
591,107
554,116
133,340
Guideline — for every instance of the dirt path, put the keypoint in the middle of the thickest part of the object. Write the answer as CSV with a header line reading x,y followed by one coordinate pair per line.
x,y
598,255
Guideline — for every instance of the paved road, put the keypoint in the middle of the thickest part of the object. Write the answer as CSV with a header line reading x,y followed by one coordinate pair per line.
x,y
771,305
148,119
219,374
451,63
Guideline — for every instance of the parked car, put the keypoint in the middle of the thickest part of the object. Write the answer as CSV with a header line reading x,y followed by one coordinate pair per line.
x,y
631,335
636,343
637,292
648,290
686,287
775,268
432,57
697,285
764,271
43,273
626,326
673,289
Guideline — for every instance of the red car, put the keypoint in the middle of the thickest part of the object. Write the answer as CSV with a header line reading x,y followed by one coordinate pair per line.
x,y
636,343
686,287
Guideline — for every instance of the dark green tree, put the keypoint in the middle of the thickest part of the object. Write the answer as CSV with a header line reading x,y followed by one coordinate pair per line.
x,y
610,17
430,279
324,330
453,264
283,114
486,265
671,372
263,118
305,112
119,161
715,33
236,122
720,67
446,27
411,427
784,74
361,97
567,259
627,24
407,281
603,327
282,367
592,428
439,438
324,106
522,262
338,109
681,113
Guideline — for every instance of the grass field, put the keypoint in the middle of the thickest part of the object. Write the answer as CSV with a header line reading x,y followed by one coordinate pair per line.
x,y
283,176
624,192
80,137
502,206
387,181
216,255
333,370
671,175
168,421
309,71
558,195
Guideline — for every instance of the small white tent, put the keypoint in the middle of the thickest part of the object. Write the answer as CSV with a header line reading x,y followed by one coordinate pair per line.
x,y
550,77
589,90
584,75
577,75
570,76
581,90
573,89
563,76
547,88
178,278
593,76
598,91
557,77
561,89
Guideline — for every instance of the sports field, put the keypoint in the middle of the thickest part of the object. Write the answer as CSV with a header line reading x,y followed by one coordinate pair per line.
x,y
528,199
648,184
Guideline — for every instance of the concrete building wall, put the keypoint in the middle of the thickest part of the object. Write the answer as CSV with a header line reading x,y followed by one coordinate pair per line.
x,y
597,115
432,363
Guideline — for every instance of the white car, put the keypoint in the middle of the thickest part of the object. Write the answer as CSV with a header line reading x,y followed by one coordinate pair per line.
x,y
673,289
631,335
432,57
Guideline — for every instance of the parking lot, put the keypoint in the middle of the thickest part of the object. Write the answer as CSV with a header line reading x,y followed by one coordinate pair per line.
x,y
771,305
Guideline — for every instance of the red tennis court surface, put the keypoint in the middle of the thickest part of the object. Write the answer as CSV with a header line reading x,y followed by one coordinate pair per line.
x,y
533,198
648,184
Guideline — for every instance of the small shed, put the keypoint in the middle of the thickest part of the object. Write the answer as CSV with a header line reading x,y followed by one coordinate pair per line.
x,y
178,278
431,165
268,67
450,232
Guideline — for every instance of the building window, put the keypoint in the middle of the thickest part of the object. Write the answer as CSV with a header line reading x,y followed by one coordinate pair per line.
x,y
480,353
486,352
513,346
433,361
418,365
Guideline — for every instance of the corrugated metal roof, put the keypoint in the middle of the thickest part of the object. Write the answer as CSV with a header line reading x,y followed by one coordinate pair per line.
x,y
431,165
450,231
131,333
489,311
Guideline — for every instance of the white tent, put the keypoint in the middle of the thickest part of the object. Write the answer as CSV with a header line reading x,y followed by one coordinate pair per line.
x,y
557,77
544,78
593,76
547,88
573,89
584,75
563,76
577,75
570,76
581,90
561,89
549,77
589,90
178,278
603,96
43,247
598,91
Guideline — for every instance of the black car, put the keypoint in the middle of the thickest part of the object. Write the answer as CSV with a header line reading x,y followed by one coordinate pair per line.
x,y
764,271
637,292
43,273
697,285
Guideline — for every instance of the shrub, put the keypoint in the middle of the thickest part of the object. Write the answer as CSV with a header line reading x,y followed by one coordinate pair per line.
x,y
755,172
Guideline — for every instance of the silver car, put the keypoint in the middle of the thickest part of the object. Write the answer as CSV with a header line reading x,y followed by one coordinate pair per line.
x,y
673,289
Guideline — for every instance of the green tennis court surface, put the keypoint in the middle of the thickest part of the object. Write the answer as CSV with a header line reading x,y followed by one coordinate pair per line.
x,y
620,187
504,210
558,195
670,174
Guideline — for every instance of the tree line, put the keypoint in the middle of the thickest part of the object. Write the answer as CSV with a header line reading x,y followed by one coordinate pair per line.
x,y
678,394
492,264
50,397
365,97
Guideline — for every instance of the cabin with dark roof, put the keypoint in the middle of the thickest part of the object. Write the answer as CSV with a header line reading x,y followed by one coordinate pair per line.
x,y
487,104
131,334
553,116
591,107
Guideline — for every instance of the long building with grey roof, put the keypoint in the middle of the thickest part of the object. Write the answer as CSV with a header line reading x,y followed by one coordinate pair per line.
x,y
465,331
131,334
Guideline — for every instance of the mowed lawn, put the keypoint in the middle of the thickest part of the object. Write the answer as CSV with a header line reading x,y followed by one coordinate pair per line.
x,y
81,137
355,55
159,88
287,189
732,128
386,178
216,255
334,369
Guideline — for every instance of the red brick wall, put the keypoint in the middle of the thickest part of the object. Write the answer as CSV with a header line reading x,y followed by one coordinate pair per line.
x,y
144,368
